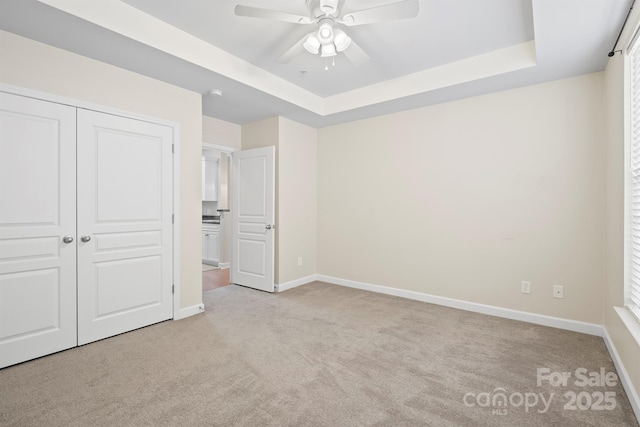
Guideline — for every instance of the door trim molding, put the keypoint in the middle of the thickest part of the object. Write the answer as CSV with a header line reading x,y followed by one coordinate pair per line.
x,y
207,146
76,103
177,219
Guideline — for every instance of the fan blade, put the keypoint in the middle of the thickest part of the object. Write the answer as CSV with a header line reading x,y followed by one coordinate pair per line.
x,y
293,50
256,12
388,12
355,54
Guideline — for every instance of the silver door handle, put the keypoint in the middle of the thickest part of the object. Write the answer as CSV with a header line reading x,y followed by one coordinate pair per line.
x,y
268,227
67,239
85,238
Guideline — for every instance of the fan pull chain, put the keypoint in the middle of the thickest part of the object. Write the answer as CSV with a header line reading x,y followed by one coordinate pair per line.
x,y
326,62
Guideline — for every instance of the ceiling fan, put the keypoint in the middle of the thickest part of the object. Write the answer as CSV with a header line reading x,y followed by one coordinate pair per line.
x,y
328,39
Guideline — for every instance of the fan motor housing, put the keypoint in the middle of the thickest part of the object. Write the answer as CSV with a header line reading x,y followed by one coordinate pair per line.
x,y
319,8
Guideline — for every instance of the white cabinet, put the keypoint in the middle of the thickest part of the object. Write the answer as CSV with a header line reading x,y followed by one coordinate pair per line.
x,y
211,244
209,180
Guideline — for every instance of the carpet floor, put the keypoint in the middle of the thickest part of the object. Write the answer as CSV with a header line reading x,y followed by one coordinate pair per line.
x,y
322,355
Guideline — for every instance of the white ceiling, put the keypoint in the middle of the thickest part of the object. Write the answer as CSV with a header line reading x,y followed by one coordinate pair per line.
x,y
452,49
440,34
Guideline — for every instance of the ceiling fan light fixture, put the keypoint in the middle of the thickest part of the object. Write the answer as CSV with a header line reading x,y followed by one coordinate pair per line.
x,y
341,40
312,44
328,49
325,32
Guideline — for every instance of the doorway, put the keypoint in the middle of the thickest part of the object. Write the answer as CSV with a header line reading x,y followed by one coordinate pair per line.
x,y
241,238
216,219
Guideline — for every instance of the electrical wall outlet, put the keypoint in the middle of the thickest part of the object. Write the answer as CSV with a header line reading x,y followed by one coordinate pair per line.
x,y
299,260
526,287
558,291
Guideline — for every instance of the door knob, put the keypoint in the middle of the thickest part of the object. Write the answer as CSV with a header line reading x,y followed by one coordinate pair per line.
x,y
268,227
85,238
67,239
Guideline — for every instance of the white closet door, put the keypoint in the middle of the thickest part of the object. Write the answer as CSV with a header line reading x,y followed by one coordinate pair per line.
x,y
37,211
124,224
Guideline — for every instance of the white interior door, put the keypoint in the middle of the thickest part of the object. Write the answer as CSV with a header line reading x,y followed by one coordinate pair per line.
x,y
37,211
124,224
252,212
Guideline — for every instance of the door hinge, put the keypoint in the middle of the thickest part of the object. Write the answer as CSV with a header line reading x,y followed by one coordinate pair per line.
x,y
173,219
173,289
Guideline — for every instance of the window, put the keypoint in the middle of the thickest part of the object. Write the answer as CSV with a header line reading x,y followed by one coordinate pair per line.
x,y
632,291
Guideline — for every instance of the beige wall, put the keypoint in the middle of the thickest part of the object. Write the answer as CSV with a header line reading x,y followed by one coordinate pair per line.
x,y
37,66
467,199
297,201
295,192
260,134
219,132
627,347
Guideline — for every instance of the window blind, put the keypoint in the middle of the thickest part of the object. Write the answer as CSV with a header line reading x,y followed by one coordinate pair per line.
x,y
633,182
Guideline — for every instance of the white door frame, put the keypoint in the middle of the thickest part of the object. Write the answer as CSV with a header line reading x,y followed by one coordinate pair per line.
x,y
17,90
207,146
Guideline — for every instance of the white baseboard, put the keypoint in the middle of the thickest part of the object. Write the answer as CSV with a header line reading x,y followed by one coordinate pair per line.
x,y
224,264
295,283
189,311
538,319
632,394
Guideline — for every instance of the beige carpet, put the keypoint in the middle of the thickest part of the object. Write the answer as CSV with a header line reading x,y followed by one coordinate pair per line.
x,y
317,355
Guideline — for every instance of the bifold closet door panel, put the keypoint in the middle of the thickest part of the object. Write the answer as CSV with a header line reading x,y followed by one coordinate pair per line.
x,y
124,224
37,228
